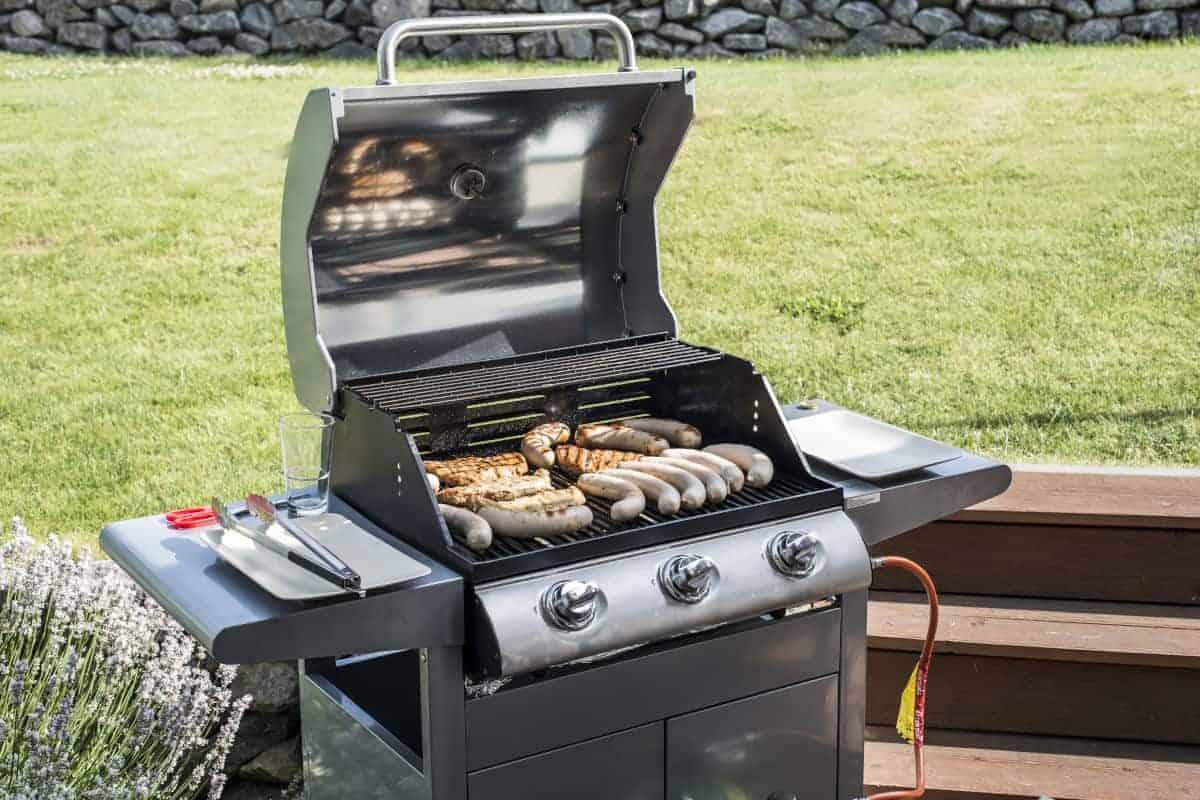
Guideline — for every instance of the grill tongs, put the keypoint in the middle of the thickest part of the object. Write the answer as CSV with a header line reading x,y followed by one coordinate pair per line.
x,y
323,562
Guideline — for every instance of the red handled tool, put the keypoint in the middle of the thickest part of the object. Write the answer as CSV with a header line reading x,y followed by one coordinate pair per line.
x,y
188,518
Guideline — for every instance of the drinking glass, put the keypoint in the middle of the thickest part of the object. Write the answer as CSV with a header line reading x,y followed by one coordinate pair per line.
x,y
307,440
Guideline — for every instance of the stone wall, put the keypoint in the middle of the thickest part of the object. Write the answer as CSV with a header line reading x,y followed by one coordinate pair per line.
x,y
264,763
682,29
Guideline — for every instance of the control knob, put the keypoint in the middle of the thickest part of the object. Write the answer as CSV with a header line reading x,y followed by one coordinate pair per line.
x,y
571,605
687,579
793,553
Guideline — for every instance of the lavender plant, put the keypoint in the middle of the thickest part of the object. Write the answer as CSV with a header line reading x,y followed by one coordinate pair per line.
x,y
102,695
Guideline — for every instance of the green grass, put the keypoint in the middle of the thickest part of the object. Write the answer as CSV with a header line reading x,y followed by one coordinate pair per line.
x,y
1000,250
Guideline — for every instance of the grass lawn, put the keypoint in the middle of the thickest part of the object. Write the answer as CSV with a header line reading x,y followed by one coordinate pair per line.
x,y
1001,250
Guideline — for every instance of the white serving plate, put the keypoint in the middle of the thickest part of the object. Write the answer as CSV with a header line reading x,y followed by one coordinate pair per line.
x,y
866,448
378,563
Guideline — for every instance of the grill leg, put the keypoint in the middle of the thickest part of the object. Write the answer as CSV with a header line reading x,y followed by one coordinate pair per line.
x,y
444,701
852,691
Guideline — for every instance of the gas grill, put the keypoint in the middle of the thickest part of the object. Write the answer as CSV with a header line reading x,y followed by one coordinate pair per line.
x,y
460,263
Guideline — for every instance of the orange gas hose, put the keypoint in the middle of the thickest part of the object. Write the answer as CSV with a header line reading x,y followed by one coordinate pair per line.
x,y
922,676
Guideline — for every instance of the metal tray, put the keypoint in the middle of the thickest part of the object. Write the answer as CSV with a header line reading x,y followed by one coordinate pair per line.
x,y
866,448
376,561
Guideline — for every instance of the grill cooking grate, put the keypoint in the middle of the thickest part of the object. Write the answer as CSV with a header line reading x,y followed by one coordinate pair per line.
x,y
591,365
781,488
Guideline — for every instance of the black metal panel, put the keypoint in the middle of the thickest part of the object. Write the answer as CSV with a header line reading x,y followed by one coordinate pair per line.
x,y
622,766
852,696
675,677
782,744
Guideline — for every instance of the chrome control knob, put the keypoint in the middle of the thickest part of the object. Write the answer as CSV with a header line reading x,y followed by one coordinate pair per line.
x,y
793,553
571,605
687,579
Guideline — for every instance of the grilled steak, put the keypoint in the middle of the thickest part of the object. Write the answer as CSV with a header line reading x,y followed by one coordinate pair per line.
x,y
473,469
474,495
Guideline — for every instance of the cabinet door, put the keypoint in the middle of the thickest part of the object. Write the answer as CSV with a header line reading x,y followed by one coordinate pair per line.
x,y
623,766
779,745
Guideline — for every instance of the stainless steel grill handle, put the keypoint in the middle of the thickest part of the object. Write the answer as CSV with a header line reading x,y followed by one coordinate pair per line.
x,y
501,23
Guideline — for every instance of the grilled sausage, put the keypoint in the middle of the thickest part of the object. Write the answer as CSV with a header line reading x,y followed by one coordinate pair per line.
x,y
578,460
656,490
679,434
628,500
472,469
691,491
538,445
714,485
729,470
752,461
469,525
619,437
532,524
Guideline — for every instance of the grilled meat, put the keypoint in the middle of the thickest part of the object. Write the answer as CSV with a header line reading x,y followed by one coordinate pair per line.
x,y
473,469
473,495
538,445
620,437
679,434
547,500
578,460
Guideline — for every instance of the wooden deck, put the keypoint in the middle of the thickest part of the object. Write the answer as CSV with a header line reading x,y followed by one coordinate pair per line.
x,y
1068,661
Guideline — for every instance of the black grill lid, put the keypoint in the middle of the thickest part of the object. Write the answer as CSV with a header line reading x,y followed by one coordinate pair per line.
x,y
428,226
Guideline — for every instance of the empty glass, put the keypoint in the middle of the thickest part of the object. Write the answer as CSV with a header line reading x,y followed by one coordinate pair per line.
x,y
307,440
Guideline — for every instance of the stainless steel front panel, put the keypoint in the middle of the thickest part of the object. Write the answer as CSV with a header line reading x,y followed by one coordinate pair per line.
x,y
633,608
393,263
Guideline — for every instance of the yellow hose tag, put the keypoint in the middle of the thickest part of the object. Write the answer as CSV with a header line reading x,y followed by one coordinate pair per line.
x,y
906,717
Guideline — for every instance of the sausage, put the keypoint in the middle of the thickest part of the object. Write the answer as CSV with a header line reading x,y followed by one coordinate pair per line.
x,y
692,493
729,470
656,489
532,524
538,445
469,525
619,437
714,485
752,461
679,434
434,482
628,500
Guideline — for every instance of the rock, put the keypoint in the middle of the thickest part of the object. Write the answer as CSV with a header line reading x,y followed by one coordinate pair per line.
x,y
710,50
259,731
961,7
960,40
56,12
147,5
284,40
358,13
369,35
824,8
1126,38
681,9
817,28
257,19
536,46
1014,5
1163,5
182,8
14,5
124,14
274,685
730,20
519,6
496,45
385,12
643,19
1155,25
936,21
650,46
606,48
88,35
1094,31
23,45
171,49
575,44
986,23
681,33
220,23
858,14
121,40
105,18
317,34
1041,25
1014,39
335,9
350,50
254,45
154,26
288,10
251,790
28,23
792,9
213,6
765,8
277,764
1189,23
890,34
1076,10
903,10
1114,8
205,45
744,42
